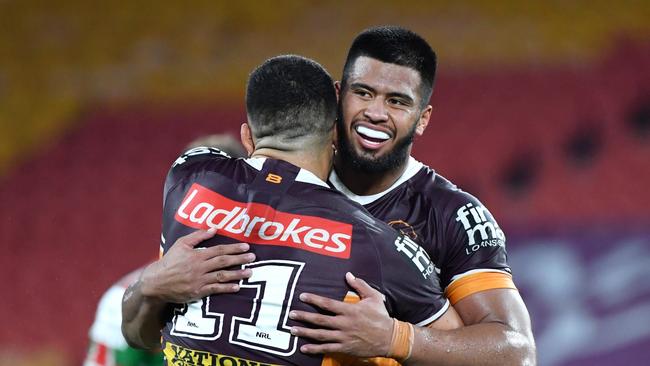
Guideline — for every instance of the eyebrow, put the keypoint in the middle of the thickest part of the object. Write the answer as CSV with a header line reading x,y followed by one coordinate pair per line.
x,y
406,97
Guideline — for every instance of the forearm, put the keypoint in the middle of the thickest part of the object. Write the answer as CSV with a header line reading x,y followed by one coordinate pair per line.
x,y
142,318
490,343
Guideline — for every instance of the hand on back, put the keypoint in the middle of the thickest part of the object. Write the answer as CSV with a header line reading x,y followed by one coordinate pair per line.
x,y
186,273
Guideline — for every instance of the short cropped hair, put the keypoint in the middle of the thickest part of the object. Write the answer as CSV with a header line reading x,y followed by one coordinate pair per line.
x,y
290,97
395,45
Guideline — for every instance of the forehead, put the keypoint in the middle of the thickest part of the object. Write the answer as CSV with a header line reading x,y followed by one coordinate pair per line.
x,y
384,77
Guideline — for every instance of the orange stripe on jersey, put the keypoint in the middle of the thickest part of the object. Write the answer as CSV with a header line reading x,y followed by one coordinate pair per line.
x,y
477,282
338,359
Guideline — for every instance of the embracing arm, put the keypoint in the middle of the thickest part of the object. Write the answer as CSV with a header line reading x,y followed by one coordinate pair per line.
x,y
142,318
497,332
184,274
356,329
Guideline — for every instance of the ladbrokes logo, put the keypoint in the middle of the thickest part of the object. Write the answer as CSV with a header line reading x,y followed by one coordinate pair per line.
x,y
262,224
477,226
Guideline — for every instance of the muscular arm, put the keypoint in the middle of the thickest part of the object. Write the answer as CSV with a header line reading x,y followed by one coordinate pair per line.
x,y
184,274
497,332
357,329
142,318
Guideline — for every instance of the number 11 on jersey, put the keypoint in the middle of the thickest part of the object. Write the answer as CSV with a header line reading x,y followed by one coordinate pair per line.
x,y
266,328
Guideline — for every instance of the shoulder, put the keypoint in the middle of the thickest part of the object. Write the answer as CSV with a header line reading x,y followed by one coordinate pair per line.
x,y
199,160
197,155
338,204
438,192
458,210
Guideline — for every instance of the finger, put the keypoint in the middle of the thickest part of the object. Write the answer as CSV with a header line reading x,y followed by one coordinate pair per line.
x,y
362,287
322,348
333,306
223,249
192,239
225,261
227,276
313,318
218,288
321,335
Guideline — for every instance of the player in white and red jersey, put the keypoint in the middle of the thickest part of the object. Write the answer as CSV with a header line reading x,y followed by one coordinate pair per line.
x,y
107,345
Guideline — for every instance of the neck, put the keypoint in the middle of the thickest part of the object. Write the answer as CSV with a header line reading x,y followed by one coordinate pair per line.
x,y
317,162
367,183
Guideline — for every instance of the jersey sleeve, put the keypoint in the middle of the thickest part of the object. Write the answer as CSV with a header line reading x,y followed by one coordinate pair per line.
x,y
410,282
476,258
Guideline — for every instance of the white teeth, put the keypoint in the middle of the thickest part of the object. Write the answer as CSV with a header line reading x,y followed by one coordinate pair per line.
x,y
372,133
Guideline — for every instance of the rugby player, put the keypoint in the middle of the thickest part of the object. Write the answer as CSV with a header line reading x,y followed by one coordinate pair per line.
x,y
384,97
305,237
107,345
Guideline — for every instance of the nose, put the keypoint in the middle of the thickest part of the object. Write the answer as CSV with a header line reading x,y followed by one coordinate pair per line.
x,y
376,111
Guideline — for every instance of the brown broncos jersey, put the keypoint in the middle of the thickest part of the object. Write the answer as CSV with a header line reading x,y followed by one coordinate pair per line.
x,y
457,231
305,236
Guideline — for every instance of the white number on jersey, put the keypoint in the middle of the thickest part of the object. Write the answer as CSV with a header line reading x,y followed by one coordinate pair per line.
x,y
266,328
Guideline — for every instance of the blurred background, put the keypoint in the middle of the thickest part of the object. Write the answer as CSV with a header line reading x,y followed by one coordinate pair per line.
x,y
541,109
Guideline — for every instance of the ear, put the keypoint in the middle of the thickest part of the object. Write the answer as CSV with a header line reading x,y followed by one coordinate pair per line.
x,y
246,136
335,137
423,122
337,86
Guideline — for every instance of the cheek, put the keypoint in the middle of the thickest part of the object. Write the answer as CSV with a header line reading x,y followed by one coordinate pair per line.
x,y
350,108
404,121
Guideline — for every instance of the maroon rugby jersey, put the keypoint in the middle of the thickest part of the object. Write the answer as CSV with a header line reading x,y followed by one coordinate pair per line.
x,y
305,236
459,233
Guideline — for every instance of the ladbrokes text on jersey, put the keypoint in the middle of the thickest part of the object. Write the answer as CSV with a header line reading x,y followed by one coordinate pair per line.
x,y
258,223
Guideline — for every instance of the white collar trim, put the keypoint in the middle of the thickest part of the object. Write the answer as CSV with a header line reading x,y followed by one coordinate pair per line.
x,y
412,168
304,175
256,163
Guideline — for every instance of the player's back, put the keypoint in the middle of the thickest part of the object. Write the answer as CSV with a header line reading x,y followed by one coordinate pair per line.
x,y
305,236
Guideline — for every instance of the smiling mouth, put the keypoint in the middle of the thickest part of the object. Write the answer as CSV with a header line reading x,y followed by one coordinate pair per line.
x,y
371,138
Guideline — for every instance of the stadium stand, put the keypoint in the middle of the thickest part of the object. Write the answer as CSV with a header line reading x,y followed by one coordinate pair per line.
x,y
75,204
92,112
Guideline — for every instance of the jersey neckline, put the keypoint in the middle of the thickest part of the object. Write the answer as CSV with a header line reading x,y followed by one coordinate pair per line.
x,y
413,166
304,175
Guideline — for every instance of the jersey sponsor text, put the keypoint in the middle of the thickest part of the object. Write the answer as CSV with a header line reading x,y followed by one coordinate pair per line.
x,y
416,254
475,221
177,355
258,223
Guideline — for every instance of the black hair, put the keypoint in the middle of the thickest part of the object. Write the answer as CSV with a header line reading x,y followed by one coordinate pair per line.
x,y
395,45
290,97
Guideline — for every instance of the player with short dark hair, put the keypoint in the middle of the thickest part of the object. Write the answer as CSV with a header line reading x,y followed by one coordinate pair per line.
x,y
304,235
285,90
384,105
389,46
399,46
